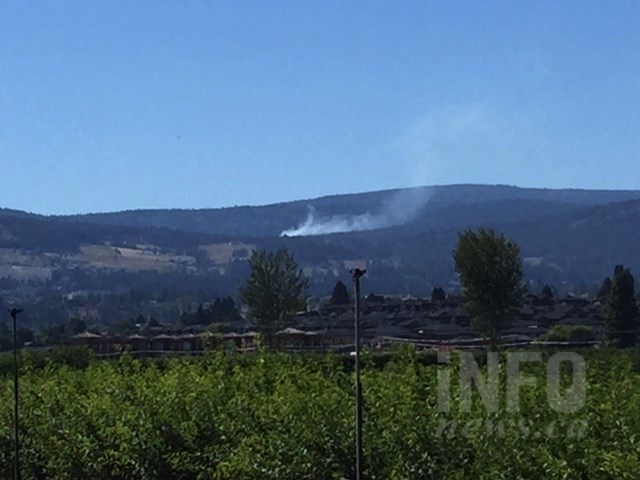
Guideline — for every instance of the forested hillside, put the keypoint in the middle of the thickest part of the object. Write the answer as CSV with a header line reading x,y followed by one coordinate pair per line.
x,y
404,237
436,206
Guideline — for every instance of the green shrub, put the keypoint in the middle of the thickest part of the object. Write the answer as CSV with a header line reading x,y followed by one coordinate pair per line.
x,y
276,416
568,333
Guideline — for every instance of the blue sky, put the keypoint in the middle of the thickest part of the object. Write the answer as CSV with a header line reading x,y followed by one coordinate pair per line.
x,y
118,105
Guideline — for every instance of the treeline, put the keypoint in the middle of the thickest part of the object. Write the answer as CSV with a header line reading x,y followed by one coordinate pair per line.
x,y
51,319
221,310
150,281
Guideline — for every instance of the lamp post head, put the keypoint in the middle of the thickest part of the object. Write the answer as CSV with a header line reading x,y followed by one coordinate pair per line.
x,y
357,273
14,312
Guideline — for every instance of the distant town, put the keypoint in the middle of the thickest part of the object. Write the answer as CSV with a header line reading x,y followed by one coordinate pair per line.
x,y
386,320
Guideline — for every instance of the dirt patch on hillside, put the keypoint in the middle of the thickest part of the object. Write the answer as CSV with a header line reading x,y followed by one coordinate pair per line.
x,y
132,259
223,253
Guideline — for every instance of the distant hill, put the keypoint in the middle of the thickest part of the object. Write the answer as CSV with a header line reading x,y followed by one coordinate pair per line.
x,y
271,220
567,237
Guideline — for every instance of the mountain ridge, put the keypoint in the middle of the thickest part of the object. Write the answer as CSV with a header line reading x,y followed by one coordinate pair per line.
x,y
275,218
569,236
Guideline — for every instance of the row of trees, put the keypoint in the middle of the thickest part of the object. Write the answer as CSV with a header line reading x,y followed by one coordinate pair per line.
x,y
490,270
274,417
220,311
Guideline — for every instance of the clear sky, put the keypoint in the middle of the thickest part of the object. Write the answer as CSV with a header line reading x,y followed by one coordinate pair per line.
x,y
109,105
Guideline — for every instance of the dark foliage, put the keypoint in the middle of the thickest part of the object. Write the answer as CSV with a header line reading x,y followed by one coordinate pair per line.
x,y
605,288
438,295
622,317
340,294
220,311
547,293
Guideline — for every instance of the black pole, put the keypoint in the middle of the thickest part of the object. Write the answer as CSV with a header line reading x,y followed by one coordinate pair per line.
x,y
357,273
16,439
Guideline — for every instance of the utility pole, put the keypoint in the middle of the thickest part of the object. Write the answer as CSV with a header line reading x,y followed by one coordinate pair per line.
x,y
14,312
357,273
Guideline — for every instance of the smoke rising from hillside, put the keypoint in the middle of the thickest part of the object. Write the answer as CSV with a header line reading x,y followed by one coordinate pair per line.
x,y
401,208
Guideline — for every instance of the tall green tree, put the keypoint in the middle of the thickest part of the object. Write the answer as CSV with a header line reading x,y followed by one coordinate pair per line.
x,y
438,294
74,326
275,287
490,271
621,326
340,294
605,288
547,293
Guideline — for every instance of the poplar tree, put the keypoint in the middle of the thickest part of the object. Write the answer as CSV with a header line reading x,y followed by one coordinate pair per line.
x,y
490,271
275,287
621,325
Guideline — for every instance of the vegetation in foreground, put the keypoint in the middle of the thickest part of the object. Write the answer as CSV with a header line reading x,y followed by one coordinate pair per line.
x,y
273,416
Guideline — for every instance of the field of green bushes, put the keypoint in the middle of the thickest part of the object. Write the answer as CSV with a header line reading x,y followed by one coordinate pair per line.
x,y
277,416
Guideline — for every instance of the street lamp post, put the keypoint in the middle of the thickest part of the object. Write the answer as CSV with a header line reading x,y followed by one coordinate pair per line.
x,y
14,312
357,273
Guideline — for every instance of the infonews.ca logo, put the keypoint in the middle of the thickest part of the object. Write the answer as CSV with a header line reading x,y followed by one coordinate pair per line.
x,y
563,398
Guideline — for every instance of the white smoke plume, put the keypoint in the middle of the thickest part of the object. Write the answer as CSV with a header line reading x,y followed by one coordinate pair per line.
x,y
401,208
